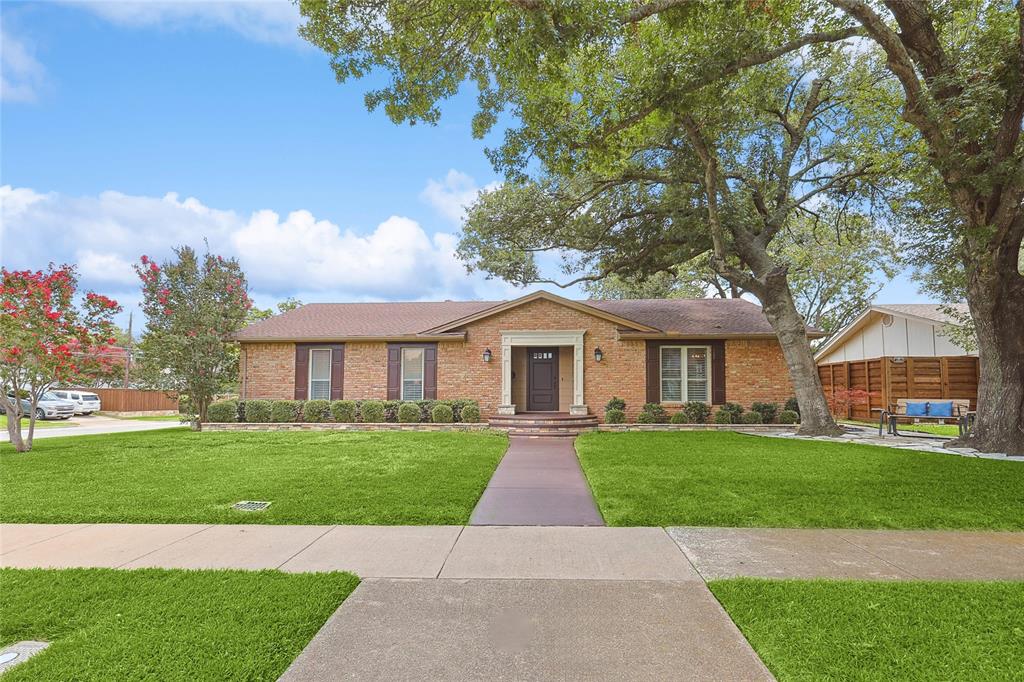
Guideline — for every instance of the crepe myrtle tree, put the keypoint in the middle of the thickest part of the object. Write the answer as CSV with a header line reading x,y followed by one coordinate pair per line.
x,y
193,305
48,340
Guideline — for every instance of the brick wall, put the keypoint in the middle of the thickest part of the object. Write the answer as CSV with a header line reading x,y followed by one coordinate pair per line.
x,y
268,370
756,371
366,371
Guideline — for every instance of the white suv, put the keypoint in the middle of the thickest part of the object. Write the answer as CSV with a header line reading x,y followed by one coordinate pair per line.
x,y
85,403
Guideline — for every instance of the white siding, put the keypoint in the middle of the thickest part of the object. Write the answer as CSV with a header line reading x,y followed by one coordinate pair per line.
x,y
904,337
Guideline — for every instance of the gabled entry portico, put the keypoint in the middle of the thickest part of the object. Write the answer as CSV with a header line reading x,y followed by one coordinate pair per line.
x,y
542,340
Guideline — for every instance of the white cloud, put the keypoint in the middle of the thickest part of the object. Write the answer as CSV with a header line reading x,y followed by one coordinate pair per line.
x,y
266,21
453,194
21,75
295,255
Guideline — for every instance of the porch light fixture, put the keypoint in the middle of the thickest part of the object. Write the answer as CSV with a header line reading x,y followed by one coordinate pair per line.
x,y
487,355
598,355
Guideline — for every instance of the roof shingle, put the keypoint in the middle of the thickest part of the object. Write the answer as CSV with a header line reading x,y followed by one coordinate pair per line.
x,y
321,321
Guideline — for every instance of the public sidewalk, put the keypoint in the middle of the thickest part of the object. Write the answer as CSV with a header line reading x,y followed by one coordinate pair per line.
x,y
525,552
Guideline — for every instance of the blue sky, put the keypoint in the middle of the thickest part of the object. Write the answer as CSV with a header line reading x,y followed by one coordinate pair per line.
x,y
128,128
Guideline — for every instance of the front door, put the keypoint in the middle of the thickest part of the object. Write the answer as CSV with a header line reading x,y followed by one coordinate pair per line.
x,y
542,379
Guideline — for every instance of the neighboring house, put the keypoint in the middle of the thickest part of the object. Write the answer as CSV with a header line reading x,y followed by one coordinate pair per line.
x,y
896,351
538,353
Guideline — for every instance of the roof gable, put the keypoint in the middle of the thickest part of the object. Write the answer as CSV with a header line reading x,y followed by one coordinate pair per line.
x,y
537,296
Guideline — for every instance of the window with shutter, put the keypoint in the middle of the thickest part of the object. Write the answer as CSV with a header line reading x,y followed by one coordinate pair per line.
x,y
685,373
412,373
320,374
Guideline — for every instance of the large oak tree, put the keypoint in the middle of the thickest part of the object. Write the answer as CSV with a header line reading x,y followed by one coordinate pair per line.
x,y
644,135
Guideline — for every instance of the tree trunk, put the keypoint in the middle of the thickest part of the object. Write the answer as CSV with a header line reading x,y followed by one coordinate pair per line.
x,y
995,295
780,309
14,432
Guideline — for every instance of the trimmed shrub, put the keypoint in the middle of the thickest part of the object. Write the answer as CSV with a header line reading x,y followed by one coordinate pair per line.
x,y
316,411
789,417
409,413
615,416
723,416
793,405
371,411
391,410
767,411
184,404
751,418
615,403
457,406
286,411
257,411
734,410
343,411
680,418
696,412
652,413
223,411
442,414
470,413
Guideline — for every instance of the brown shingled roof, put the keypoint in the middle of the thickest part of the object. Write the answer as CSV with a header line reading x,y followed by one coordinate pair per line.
x,y
676,317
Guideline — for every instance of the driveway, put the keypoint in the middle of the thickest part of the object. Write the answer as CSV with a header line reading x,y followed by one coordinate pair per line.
x,y
86,425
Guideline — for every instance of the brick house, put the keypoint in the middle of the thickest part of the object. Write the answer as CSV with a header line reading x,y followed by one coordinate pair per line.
x,y
538,353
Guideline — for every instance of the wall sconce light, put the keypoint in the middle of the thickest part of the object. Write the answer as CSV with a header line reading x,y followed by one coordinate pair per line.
x,y
487,355
598,355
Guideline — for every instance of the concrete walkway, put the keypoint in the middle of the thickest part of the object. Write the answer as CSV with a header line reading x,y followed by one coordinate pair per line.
x,y
538,482
93,424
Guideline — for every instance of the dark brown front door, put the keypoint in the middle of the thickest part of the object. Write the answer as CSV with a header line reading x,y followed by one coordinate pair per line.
x,y
542,379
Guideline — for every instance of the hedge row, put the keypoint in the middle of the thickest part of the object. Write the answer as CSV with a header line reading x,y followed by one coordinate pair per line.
x,y
345,411
698,412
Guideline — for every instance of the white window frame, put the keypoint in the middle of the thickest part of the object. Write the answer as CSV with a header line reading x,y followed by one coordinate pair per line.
x,y
423,372
684,379
309,372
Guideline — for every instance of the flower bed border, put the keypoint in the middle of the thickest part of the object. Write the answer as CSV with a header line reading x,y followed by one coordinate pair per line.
x,y
480,426
346,426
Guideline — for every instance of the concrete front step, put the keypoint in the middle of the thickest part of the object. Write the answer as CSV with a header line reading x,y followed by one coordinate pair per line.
x,y
543,425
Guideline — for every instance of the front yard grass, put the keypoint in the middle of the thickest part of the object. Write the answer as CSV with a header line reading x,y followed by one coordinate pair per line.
x,y
731,479
934,429
847,630
156,624
180,476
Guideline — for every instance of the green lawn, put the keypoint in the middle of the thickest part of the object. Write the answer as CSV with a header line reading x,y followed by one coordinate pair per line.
x,y
731,479
40,424
180,476
164,625
844,630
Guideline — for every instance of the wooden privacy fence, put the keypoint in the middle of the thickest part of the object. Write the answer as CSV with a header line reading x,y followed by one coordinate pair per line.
x,y
857,389
133,400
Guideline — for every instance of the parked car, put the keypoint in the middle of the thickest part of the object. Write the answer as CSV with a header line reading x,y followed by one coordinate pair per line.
x,y
85,402
50,406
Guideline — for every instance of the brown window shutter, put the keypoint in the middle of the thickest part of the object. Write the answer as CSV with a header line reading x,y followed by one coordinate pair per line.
x,y
430,372
394,371
717,372
337,371
301,371
653,372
